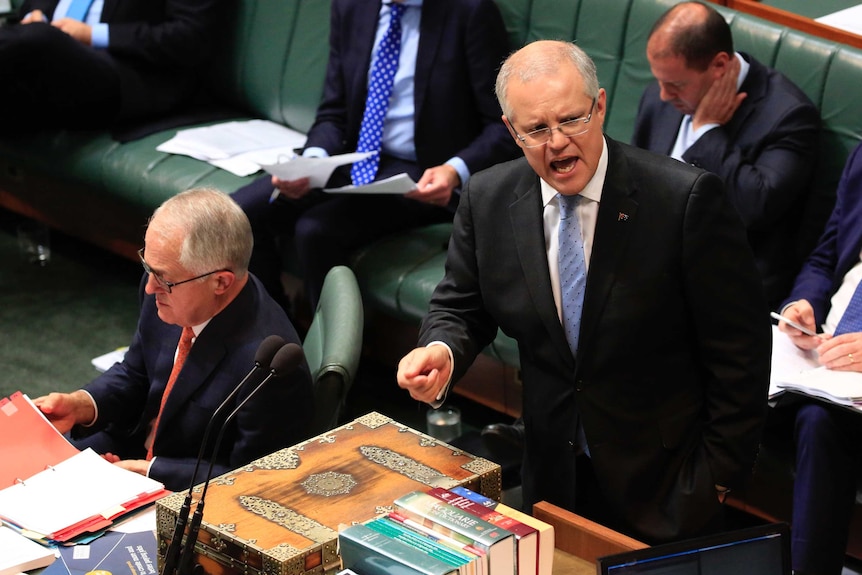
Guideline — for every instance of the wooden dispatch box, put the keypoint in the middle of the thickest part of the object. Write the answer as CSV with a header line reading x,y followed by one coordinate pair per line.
x,y
279,515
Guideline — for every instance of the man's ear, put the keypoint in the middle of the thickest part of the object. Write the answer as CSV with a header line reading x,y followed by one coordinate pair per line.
x,y
511,129
224,280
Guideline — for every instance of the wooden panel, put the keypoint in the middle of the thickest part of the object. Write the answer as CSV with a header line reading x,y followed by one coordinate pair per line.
x,y
796,21
581,537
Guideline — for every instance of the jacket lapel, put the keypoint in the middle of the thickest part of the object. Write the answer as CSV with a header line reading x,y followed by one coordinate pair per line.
x,y
616,221
431,27
525,215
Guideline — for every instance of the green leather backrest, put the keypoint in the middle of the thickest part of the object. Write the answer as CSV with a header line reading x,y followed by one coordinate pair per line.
x,y
333,345
273,60
614,34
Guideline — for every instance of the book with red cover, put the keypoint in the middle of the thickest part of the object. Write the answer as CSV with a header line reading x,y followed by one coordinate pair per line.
x,y
527,538
545,530
498,543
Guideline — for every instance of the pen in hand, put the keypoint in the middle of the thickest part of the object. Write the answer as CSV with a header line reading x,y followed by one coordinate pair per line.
x,y
274,195
793,324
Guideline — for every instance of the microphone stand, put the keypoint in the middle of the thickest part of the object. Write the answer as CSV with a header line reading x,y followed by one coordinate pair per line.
x,y
265,353
286,359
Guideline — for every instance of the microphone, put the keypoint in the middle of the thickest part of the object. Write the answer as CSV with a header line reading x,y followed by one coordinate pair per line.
x,y
285,361
263,357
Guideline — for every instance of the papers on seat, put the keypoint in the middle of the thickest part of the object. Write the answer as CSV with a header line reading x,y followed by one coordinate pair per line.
x,y
849,19
240,147
17,553
104,362
398,184
798,370
318,170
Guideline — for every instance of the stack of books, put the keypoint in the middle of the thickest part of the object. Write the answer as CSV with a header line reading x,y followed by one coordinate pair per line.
x,y
448,532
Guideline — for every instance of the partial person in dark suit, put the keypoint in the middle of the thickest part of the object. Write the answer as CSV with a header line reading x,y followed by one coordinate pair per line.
x,y
120,61
725,112
196,255
828,438
658,410
441,126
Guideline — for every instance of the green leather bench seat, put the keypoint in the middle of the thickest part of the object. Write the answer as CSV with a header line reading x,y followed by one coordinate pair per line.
x,y
271,65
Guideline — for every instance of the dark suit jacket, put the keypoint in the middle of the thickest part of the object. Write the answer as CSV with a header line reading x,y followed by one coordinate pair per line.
x,y
672,371
764,155
157,46
461,45
839,246
128,395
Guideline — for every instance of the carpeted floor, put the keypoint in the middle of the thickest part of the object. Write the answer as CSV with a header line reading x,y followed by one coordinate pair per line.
x,y
55,319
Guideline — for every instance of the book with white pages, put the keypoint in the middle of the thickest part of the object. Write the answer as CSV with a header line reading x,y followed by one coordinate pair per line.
x,y
18,553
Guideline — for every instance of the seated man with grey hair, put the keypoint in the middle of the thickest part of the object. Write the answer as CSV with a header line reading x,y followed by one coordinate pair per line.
x,y
203,317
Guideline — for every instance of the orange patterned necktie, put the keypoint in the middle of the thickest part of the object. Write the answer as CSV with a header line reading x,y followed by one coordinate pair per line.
x,y
182,353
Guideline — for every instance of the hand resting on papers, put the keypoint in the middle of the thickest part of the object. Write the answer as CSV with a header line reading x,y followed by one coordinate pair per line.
x,y
841,353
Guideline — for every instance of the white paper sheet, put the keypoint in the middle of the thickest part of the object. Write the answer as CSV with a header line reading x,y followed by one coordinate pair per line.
x,y
318,170
398,184
849,19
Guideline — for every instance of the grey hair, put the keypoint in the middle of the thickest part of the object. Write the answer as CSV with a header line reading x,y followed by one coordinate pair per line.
x,y
529,66
216,232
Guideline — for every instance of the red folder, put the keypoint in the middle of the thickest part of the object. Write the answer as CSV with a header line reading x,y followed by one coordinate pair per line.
x,y
29,443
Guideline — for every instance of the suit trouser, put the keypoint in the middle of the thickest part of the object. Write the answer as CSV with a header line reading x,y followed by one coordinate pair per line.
x,y
827,467
49,79
326,228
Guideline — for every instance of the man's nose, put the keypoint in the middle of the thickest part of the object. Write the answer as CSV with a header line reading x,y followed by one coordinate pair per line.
x,y
667,92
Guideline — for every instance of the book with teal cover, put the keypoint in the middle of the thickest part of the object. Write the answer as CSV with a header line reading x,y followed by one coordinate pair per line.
x,y
370,552
464,561
498,543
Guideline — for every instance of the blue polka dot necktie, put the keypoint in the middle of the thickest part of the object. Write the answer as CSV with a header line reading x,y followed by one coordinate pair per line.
x,y
78,9
572,267
851,319
377,103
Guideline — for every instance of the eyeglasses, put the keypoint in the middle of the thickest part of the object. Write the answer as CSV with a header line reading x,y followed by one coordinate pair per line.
x,y
168,286
569,128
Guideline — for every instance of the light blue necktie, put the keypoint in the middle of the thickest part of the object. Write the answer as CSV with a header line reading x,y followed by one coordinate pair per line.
x,y
78,10
572,267
851,319
377,103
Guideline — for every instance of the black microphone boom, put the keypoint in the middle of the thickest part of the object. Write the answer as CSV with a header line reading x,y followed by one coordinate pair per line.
x,y
285,361
263,357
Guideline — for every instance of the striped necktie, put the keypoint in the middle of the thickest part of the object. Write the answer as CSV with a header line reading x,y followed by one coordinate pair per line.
x,y
377,102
